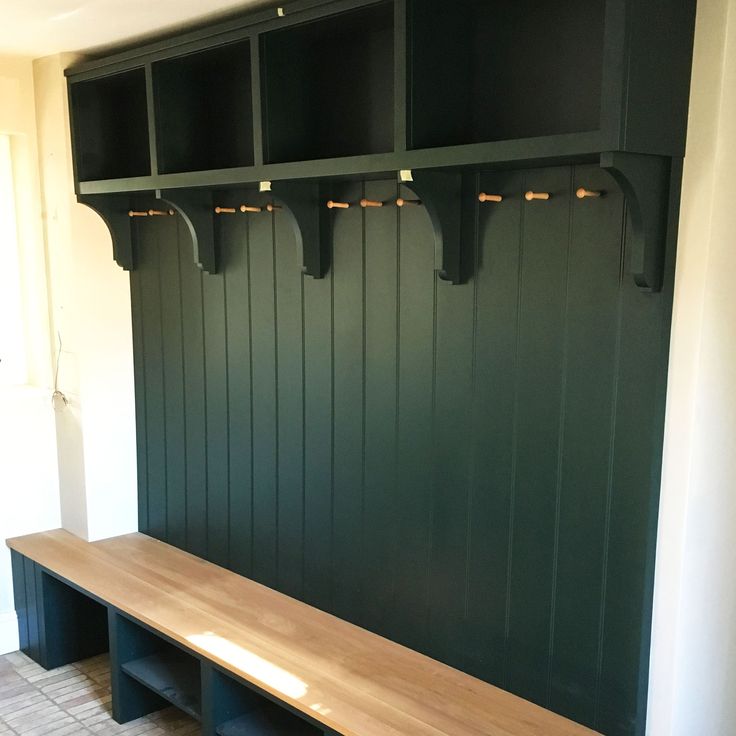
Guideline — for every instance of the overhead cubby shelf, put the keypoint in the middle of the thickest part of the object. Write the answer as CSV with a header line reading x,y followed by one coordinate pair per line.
x,y
110,126
321,90
204,113
494,72
328,86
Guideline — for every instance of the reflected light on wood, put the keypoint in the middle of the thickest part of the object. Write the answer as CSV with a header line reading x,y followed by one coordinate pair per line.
x,y
261,669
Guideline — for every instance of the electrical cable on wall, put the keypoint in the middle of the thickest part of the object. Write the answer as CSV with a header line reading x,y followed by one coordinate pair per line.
x,y
58,400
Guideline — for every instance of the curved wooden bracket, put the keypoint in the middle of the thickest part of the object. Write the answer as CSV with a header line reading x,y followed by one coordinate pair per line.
x,y
302,203
197,209
113,209
645,180
445,196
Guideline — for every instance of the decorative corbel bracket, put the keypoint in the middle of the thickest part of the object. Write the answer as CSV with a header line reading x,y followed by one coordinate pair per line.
x,y
196,208
645,181
113,209
445,197
302,203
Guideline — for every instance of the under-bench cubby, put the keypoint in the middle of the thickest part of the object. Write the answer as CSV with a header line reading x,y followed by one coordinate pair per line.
x,y
498,71
204,110
328,86
110,127
148,669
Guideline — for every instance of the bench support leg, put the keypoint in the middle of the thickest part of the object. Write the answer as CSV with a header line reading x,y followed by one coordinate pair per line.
x,y
58,625
130,699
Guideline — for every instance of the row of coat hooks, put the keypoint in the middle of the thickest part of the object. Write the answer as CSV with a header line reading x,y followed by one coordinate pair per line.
x,y
399,202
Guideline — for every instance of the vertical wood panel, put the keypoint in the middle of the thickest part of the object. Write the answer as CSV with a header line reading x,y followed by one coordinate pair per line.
x,y
539,404
492,424
290,380
139,374
234,254
380,538
591,348
624,643
19,597
149,236
349,402
194,387
318,449
264,399
173,378
415,338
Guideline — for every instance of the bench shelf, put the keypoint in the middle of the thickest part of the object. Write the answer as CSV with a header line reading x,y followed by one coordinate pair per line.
x,y
267,720
172,674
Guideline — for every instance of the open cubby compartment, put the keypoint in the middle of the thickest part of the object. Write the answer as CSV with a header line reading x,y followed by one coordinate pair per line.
x,y
489,71
110,126
240,711
147,660
328,86
204,110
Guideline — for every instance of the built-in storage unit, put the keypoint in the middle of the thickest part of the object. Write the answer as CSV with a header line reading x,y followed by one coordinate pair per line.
x,y
328,86
499,71
469,467
204,113
111,126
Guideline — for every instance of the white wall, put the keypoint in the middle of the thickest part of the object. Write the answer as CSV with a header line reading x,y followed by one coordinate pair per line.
x,y
29,496
693,675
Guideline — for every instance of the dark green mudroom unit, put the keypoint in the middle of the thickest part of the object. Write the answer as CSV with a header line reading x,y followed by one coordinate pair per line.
x,y
435,407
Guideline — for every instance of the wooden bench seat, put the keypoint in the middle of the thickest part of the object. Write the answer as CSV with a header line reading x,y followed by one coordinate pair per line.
x,y
341,677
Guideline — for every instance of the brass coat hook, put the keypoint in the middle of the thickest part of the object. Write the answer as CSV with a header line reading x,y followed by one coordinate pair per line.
x,y
370,203
161,213
338,205
134,213
583,193
531,196
483,197
249,208
225,210
273,207
401,202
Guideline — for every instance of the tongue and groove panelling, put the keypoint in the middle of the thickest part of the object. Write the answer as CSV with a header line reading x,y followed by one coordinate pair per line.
x,y
469,470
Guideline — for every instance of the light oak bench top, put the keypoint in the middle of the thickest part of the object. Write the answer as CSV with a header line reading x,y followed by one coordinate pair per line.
x,y
353,681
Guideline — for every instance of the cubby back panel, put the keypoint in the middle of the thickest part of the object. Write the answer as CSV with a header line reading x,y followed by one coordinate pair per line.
x,y
469,470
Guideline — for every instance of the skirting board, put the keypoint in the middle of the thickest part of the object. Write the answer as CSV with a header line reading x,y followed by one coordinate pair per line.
x,y
8,632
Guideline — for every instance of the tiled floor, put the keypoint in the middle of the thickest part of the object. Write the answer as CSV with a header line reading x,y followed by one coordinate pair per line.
x,y
71,701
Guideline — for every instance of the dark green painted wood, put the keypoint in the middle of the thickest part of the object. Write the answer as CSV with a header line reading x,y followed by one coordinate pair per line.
x,y
492,426
348,400
195,492
214,308
544,244
20,599
380,406
234,240
416,280
173,376
466,469
289,311
265,398
592,353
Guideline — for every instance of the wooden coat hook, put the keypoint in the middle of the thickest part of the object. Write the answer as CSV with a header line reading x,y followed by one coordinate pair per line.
x,y
370,203
401,202
225,210
338,205
531,196
583,193
483,197
161,213
250,208
133,213
272,207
